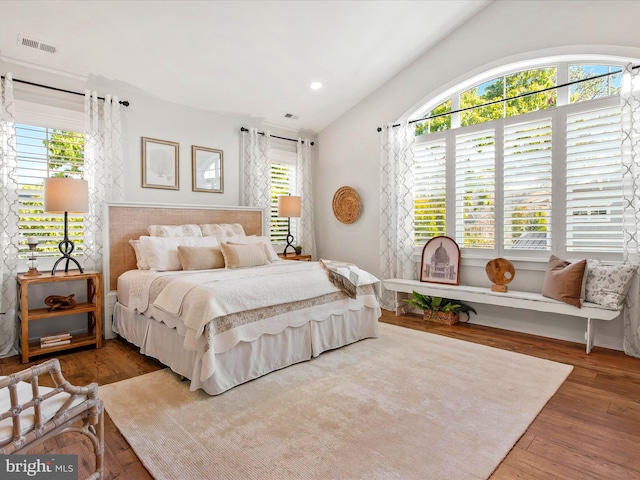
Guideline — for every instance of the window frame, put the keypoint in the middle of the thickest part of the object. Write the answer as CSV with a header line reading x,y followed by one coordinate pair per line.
x,y
558,116
53,118
282,154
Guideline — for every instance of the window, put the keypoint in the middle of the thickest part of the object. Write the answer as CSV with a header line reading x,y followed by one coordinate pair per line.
x,y
45,152
509,86
283,182
527,184
475,189
594,180
527,176
430,189
597,88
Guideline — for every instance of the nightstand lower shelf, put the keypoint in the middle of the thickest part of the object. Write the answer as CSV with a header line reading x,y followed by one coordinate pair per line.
x,y
80,340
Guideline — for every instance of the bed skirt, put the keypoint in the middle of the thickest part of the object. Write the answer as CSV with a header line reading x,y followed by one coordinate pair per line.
x,y
247,360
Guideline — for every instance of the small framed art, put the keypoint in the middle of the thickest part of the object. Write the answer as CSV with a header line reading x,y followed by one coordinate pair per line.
x,y
207,169
160,161
440,261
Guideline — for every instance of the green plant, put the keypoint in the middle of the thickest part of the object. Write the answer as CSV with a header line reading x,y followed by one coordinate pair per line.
x,y
438,304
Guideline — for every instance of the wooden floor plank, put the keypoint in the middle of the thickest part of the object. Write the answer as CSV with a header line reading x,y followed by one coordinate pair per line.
x,y
590,429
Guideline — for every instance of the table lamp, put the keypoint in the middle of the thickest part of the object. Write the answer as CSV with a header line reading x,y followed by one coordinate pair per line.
x,y
66,195
289,206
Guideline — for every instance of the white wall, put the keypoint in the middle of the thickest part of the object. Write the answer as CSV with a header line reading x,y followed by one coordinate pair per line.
x,y
153,117
503,33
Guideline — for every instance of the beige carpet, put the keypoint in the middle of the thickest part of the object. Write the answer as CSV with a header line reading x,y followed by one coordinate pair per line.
x,y
407,405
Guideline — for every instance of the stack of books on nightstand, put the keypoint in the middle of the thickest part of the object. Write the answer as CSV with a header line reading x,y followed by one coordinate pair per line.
x,y
62,338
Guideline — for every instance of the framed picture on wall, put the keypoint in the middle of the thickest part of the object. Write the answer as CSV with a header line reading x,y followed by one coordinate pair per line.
x,y
440,261
160,161
207,169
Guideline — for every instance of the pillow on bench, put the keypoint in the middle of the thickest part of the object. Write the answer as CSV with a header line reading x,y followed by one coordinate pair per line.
x,y
563,281
607,285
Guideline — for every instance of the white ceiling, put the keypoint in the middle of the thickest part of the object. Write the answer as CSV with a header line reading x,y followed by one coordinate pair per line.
x,y
253,58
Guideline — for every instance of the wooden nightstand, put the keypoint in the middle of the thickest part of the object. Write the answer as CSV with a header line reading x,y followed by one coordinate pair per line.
x,y
294,256
92,307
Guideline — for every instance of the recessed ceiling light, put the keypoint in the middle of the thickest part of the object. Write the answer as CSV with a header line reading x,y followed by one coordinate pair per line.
x,y
316,86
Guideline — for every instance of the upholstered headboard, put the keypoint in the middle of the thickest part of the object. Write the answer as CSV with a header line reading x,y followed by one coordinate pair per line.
x,y
126,221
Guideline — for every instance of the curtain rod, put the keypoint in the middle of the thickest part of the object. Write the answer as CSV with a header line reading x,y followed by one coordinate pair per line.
x,y
122,102
379,129
242,129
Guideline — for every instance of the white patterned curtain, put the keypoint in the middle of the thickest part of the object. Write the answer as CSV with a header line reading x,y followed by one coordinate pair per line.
x,y
306,233
630,98
257,174
396,207
104,169
9,236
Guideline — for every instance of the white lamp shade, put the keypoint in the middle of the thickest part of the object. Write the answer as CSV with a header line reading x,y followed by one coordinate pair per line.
x,y
289,206
62,194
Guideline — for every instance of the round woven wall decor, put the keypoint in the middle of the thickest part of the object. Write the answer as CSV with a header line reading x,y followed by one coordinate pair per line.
x,y
346,205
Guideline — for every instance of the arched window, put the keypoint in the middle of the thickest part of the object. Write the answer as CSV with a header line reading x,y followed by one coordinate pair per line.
x,y
527,173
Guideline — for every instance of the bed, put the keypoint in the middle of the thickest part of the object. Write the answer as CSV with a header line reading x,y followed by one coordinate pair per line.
x,y
220,327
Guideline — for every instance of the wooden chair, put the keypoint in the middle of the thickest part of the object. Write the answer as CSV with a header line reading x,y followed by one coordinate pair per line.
x,y
31,414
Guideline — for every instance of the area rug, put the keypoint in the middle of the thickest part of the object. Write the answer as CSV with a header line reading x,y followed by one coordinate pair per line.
x,y
405,405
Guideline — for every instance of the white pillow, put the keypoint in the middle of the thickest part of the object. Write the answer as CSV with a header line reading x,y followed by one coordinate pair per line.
x,y
251,239
141,258
162,252
186,230
607,285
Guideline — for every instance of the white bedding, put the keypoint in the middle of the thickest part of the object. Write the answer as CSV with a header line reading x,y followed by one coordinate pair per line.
x,y
215,310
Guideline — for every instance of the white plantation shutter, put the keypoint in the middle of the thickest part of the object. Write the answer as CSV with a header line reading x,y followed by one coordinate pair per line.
x,y
283,182
41,153
594,181
475,189
430,188
527,185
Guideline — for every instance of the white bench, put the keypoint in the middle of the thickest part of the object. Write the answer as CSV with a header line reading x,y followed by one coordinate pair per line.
x,y
514,299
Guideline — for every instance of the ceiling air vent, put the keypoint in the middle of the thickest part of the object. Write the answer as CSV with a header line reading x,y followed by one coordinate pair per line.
x,y
37,44
291,116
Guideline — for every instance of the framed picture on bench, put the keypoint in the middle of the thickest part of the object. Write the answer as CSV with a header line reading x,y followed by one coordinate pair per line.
x,y
440,261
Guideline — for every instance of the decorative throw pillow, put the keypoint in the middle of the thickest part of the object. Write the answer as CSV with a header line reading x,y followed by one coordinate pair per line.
x,y
607,285
253,239
141,259
200,258
162,252
236,256
221,230
563,280
187,230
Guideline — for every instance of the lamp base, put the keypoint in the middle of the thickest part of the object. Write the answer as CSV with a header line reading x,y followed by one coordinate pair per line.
x,y
66,247
284,253
66,267
289,239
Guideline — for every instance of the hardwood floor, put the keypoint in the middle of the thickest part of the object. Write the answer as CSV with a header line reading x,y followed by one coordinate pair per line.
x,y
590,429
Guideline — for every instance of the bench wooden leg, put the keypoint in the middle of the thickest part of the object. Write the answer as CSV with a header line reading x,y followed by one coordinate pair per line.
x,y
401,306
588,336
